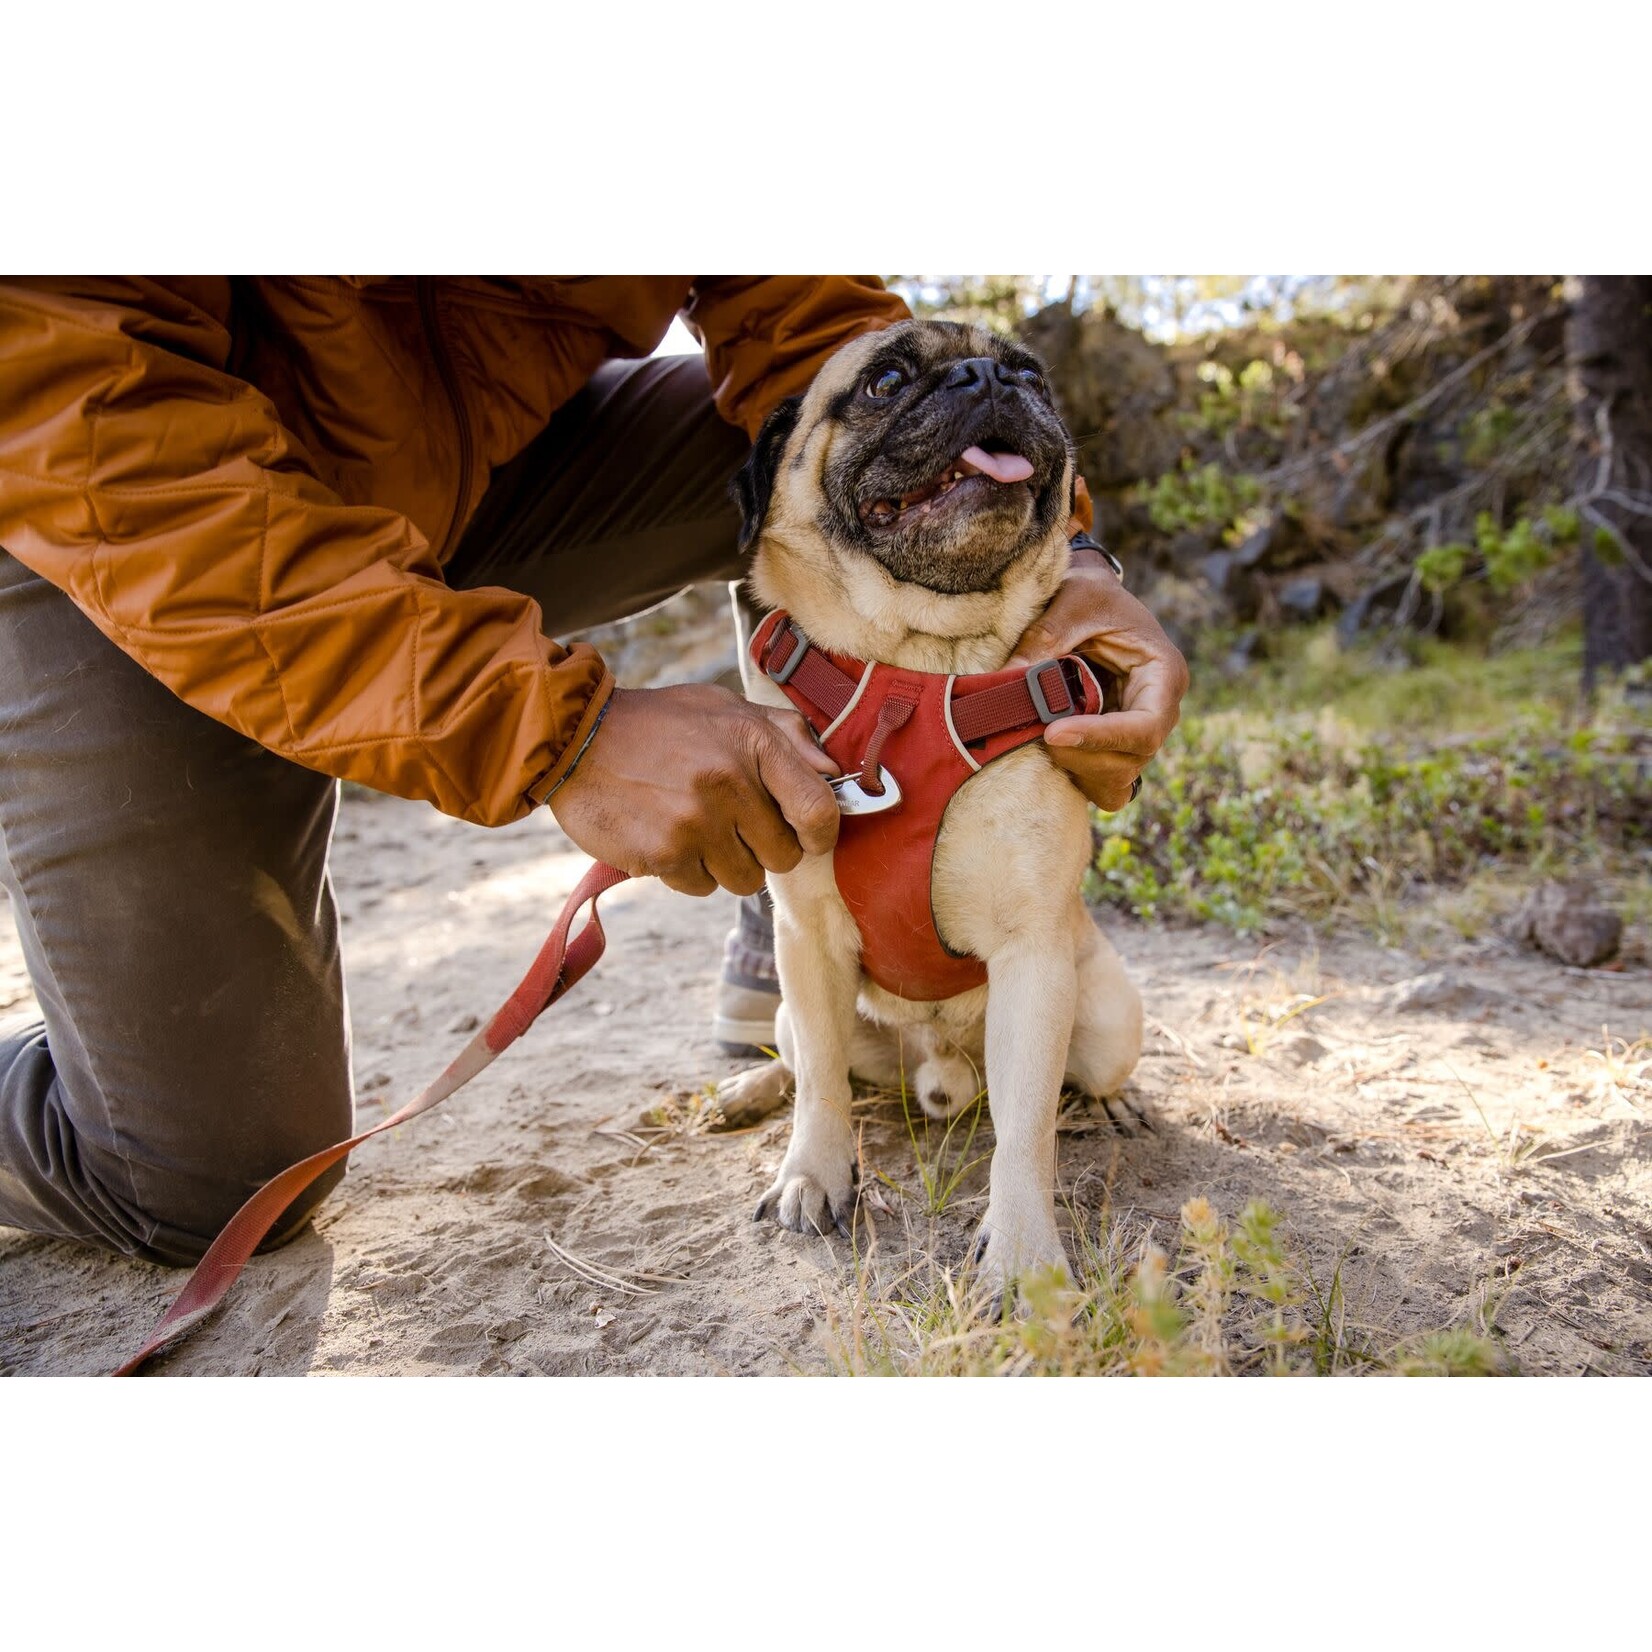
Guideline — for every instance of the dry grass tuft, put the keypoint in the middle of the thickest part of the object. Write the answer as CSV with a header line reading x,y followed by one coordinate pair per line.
x,y
1232,1301
1620,1073
696,1113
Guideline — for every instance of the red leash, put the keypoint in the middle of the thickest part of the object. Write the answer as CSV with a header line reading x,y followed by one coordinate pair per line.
x,y
561,963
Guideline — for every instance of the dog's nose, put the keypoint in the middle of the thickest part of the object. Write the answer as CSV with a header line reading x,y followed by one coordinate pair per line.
x,y
978,373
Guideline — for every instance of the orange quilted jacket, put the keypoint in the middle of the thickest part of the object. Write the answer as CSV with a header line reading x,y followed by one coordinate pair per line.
x,y
250,486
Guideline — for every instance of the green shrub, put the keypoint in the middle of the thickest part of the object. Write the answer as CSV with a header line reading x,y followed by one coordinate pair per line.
x,y
1509,557
1197,499
1238,825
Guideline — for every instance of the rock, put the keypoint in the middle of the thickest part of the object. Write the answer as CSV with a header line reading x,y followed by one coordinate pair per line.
x,y
688,639
1117,387
1568,923
1188,550
1302,598
1373,609
1245,652
1187,605
1237,586
1437,990
1251,552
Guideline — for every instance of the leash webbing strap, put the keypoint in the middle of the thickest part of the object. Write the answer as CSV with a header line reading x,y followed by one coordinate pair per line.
x,y
561,964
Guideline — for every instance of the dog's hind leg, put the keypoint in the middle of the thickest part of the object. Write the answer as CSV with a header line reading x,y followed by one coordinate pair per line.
x,y
818,956
1106,1028
750,1096
1031,994
947,1079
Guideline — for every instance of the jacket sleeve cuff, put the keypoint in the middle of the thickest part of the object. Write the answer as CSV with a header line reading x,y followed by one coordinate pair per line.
x,y
542,788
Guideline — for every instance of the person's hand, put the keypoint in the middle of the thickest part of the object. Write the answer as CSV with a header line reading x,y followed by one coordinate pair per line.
x,y
1093,615
697,787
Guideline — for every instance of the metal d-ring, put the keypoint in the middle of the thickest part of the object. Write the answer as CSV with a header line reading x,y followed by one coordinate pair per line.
x,y
851,800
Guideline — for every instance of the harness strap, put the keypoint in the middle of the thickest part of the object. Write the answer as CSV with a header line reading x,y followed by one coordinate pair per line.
x,y
1013,705
792,658
561,964
1050,690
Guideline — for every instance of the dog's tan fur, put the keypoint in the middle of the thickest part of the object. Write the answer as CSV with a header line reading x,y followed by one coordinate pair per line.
x,y
1008,866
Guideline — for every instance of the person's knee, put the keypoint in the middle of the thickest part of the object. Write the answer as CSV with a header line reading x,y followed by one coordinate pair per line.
x,y
185,1209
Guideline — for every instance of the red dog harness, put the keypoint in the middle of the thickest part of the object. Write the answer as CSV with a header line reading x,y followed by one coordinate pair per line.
x,y
906,742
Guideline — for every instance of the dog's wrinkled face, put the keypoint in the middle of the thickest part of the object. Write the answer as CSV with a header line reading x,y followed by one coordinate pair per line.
x,y
933,448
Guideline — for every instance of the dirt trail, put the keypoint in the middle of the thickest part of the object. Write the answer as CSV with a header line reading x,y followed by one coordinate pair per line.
x,y
1378,1123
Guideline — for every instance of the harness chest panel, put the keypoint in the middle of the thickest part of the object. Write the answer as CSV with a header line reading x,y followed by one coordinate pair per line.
x,y
931,732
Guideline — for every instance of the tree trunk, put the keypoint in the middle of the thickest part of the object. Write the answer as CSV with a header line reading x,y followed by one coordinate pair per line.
x,y
1609,380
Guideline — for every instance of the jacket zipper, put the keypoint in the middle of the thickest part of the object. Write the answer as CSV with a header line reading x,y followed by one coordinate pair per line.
x,y
450,383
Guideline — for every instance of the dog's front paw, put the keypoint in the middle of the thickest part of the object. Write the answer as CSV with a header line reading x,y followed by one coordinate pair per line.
x,y
814,1192
1006,1250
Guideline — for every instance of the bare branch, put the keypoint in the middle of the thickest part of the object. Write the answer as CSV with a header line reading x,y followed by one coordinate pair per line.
x,y
1587,510
1516,335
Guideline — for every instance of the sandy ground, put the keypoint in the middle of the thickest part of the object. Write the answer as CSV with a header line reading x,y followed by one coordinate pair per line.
x,y
1455,1142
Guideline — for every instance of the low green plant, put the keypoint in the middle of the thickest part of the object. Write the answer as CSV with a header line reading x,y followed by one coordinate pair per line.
x,y
1238,828
1508,558
943,1163
1325,782
1442,566
1443,688
1485,431
1232,1301
1197,499
1251,399
1459,1352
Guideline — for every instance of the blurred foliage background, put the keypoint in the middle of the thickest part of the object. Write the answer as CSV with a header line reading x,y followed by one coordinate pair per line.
x,y
1402,528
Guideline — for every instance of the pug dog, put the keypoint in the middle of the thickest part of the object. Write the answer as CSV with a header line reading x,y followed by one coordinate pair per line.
x,y
912,509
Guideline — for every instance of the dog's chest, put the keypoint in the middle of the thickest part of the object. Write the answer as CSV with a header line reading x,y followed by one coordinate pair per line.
x,y
884,861
985,843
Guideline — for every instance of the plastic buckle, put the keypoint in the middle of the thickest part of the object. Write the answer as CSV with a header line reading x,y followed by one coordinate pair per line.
x,y
793,660
1046,713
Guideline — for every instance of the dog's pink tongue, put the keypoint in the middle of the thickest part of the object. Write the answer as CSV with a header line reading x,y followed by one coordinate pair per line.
x,y
1001,467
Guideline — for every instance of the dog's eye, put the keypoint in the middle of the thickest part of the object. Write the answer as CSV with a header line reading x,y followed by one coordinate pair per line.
x,y
885,383
1031,377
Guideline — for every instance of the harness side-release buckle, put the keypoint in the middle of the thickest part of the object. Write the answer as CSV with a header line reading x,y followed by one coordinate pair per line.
x,y
1041,704
852,800
800,646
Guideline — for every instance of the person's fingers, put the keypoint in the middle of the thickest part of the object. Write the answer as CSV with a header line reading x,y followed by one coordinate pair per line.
x,y
1045,639
1077,613
1157,684
1106,778
1110,768
687,877
802,796
764,830
731,862
1135,734
796,731
1108,626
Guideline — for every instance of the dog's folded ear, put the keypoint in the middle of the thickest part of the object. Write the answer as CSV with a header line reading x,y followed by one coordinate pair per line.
x,y
754,481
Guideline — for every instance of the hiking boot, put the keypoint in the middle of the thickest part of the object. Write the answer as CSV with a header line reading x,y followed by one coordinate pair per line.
x,y
748,993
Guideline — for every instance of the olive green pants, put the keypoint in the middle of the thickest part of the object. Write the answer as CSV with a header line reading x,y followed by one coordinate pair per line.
x,y
169,878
